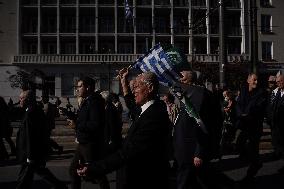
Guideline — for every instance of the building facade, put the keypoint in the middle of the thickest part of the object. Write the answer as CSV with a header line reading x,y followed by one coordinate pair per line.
x,y
67,39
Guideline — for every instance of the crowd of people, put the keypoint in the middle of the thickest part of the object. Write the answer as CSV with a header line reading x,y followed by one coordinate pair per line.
x,y
162,136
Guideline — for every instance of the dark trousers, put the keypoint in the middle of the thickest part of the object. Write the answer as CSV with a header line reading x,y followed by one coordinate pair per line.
x,y
276,138
11,144
27,171
190,177
3,152
52,143
248,147
85,153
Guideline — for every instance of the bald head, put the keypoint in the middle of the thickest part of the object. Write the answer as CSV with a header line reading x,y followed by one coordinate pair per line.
x,y
271,82
252,81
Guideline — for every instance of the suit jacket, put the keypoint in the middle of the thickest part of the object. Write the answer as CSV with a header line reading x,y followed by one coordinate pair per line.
x,y
91,120
277,114
50,111
144,152
189,139
113,128
252,105
32,137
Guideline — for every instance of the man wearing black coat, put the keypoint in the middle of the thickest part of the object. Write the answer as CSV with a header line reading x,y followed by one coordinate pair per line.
x,y
32,144
89,130
277,115
144,152
250,114
191,141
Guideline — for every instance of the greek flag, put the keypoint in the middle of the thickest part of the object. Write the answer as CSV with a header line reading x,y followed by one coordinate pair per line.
x,y
128,13
158,62
165,65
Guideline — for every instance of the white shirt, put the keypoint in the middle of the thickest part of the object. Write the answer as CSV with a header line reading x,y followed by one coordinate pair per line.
x,y
146,106
281,91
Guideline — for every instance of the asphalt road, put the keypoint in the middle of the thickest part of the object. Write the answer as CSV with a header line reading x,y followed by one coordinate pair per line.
x,y
230,166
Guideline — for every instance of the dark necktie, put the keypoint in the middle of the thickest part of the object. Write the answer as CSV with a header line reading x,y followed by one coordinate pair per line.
x,y
278,95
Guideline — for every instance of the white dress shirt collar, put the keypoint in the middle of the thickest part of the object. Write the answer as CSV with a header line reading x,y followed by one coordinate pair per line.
x,y
146,106
281,91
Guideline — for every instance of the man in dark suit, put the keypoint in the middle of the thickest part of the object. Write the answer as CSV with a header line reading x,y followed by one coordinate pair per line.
x,y
50,111
277,114
275,135
144,152
250,115
89,130
32,144
191,141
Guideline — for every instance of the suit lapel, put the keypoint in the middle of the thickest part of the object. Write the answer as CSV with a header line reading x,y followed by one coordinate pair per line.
x,y
138,117
281,100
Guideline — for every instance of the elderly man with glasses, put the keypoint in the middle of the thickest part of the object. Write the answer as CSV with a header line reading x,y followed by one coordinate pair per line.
x,y
145,150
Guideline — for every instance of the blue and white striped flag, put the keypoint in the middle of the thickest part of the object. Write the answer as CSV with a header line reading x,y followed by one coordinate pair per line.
x,y
163,64
158,62
128,13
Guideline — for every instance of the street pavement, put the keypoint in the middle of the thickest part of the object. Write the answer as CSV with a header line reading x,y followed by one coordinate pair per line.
x,y
267,177
231,169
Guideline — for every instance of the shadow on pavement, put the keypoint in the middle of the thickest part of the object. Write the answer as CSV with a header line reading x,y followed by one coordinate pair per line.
x,y
36,185
9,162
236,163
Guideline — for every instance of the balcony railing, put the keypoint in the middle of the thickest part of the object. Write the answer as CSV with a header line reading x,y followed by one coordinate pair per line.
x,y
214,58
110,58
75,59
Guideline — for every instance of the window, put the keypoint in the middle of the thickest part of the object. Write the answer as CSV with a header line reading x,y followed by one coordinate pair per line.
x,y
125,48
162,2
266,3
106,25
68,47
198,2
31,26
49,24
143,25
180,25
267,51
180,3
87,24
48,47
50,85
29,47
68,24
68,1
162,25
266,23
67,85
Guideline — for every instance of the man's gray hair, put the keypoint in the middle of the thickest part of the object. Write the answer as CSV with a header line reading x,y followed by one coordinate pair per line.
x,y
106,95
30,96
151,78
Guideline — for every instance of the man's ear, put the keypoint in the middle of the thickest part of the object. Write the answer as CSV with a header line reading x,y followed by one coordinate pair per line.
x,y
150,88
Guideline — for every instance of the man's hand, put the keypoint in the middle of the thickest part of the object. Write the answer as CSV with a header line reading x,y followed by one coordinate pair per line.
x,y
197,162
71,123
123,73
82,172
